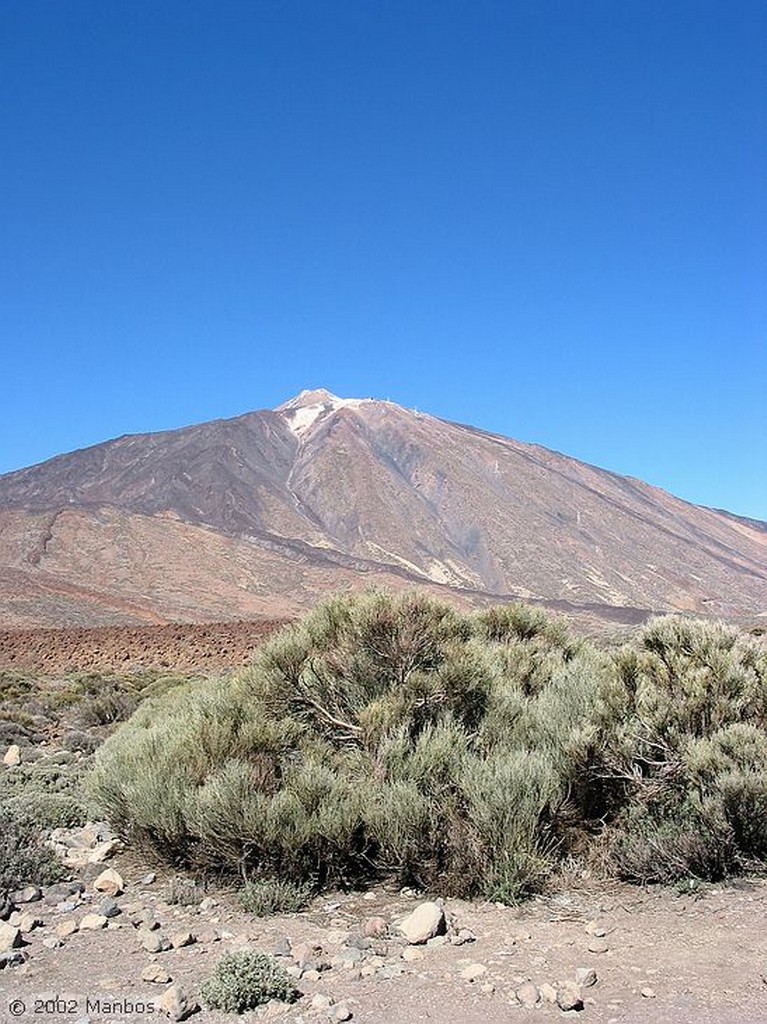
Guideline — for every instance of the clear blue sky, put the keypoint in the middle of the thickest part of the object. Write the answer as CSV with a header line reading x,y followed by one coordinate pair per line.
x,y
545,219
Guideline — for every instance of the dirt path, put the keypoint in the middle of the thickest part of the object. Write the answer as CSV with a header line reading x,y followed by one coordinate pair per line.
x,y
669,959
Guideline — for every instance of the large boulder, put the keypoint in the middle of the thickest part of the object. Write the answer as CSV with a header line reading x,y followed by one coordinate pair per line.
x,y
426,921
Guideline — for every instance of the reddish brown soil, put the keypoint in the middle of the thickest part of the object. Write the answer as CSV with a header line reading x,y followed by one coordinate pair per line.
x,y
177,647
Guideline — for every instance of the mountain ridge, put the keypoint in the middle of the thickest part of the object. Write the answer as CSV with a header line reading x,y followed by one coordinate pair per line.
x,y
324,492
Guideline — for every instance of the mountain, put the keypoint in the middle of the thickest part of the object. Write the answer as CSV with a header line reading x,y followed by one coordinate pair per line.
x,y
261,514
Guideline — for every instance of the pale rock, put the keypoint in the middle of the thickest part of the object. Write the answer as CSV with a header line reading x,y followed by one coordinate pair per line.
x,y
375,927
28,923
180,939
410,954
176,1004
10,937
321,1002
52,942
598,945
437,941
462,937
585,976
648,993
473,972
12,756
93,923
569,996
151,942
66,928
155,974
488,988
426,921
110,882
528,995
342,1013
548,992
370,896
596,929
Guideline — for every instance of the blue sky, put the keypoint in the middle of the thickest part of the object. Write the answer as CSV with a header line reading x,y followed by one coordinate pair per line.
x,y
547,219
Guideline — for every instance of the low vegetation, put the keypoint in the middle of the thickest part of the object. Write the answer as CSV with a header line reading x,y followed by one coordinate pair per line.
x,y
245,980
57,723
395,737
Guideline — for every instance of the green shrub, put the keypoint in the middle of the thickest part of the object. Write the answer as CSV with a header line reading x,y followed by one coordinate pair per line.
x,y
245,980
274,896
395,737
24,860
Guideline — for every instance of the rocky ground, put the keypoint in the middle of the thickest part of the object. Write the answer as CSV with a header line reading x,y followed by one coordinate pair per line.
x,y
180,647
120,938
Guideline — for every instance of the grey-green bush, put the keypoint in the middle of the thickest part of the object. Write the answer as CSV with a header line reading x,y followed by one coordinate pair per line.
x,y
245,980
392,736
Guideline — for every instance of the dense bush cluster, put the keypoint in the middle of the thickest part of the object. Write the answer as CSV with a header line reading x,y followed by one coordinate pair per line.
x,y
394,736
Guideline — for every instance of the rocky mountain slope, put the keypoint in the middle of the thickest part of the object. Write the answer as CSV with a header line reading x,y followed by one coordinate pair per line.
x,y
261,514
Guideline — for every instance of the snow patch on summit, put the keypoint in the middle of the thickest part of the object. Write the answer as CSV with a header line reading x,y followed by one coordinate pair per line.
x,y
301,418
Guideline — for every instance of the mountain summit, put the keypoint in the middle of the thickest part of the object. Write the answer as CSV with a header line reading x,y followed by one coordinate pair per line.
x,y
263,513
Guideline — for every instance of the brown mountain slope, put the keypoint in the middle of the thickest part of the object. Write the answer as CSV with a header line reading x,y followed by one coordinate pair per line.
x,y
261,514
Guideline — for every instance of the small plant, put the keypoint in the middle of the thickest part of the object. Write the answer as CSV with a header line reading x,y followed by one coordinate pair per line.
x,y
274,896
184,892
23,858
246,980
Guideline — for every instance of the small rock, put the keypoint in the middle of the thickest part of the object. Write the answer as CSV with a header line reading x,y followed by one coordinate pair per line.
x,y
585,976
321,1002
596,929
152,942
598,945
176,1004
473,972
375,927
109,882
648,993
548,992
10,937
207,904
358,942
569,996
410,953
93,923
180,939
528,995
155,974
52,942
66,928
12,958
148,879
282,947
370,896
462,937
7,906
59,891
438,940
311,975
426,921
342,1013
208,936
109,907
488,988
29,894
28,922
12,756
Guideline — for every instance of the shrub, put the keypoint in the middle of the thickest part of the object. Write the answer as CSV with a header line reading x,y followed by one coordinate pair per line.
x,y
274,896
245,980
394,736
24,860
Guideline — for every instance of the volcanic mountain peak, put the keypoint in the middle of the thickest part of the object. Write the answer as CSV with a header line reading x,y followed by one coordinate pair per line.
x,y
308,408
270,509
